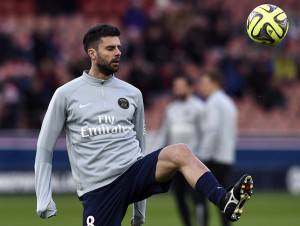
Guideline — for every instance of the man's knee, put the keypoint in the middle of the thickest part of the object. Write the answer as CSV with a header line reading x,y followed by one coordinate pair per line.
x,y
180,153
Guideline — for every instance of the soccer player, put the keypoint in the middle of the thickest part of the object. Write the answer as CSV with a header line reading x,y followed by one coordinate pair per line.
x,y
217,149
103,118
182,124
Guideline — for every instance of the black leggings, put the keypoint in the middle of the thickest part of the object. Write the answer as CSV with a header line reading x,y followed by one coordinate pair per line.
x,y
222,173
181,191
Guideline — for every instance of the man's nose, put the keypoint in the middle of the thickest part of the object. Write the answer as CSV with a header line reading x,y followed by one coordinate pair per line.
x,y
118,52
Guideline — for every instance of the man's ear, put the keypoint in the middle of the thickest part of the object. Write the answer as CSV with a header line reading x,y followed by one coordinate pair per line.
x,y
92,53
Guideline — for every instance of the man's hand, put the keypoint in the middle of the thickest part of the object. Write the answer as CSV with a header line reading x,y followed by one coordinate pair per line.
x,y
50,211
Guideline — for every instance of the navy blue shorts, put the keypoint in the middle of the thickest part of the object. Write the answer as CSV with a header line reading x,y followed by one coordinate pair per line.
x,y
107,205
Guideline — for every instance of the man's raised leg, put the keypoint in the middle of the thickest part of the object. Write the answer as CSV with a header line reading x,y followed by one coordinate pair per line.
x,y
178,157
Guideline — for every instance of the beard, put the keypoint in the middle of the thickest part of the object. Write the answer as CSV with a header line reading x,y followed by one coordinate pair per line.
x,y
181,97
107,68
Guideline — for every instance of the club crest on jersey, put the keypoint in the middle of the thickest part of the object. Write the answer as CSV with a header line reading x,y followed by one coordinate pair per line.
x,y
123,103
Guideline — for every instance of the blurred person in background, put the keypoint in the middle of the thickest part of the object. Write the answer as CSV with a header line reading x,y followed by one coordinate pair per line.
x,y
182,124
266,93
219,128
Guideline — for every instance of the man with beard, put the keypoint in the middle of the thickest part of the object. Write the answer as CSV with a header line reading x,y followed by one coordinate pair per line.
x,y
182,124
103,118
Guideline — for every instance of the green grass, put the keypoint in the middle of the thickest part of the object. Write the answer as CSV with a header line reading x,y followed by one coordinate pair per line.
x,y
265,209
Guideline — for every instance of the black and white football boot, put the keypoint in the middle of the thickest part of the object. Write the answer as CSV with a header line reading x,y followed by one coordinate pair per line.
x,y
236,197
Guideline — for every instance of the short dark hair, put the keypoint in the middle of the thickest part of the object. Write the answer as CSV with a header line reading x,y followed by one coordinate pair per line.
x,y
215,76
95,33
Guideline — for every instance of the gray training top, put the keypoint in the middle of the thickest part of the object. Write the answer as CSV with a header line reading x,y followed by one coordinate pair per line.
x,y
104,125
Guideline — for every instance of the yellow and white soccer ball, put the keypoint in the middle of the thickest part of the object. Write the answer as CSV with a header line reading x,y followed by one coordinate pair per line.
x,y
267,24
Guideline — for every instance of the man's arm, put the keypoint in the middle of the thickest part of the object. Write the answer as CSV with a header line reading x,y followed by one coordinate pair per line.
x,y
51,128
139,208
210,127
199,128
162,136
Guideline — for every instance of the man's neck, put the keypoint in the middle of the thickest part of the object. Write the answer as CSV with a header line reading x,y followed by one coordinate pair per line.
x,y
97,74
213,91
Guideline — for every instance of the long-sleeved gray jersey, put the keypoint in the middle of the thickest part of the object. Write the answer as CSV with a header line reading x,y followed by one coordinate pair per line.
x,y
104,125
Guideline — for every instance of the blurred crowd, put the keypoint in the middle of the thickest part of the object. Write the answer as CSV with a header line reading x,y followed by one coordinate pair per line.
x,y
41,49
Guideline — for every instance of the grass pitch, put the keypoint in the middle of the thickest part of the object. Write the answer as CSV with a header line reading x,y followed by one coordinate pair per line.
x,y
265,209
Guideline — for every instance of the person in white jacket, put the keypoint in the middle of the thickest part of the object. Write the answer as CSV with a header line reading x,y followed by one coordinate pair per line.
x,y
182,124
219,127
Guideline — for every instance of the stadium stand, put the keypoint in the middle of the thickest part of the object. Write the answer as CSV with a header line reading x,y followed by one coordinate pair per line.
x,y
42,50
